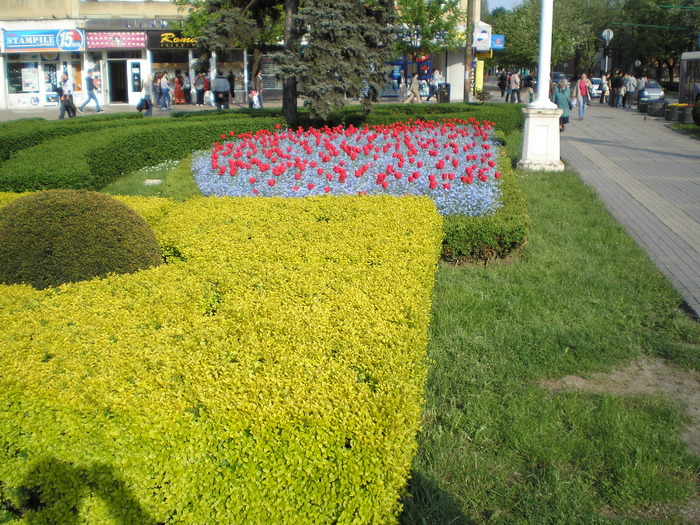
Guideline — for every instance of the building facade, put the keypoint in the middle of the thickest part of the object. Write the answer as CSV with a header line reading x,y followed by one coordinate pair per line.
x,y
122,41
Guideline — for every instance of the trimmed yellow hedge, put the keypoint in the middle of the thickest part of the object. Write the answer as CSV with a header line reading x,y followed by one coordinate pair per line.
x,y
272,372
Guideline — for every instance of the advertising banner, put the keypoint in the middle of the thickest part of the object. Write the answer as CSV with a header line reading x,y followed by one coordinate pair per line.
x,y
116,39
47,40
482,36
498,42
169,40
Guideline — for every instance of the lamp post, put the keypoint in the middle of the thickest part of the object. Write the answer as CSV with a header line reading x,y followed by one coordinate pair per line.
x,y
541,143
607,37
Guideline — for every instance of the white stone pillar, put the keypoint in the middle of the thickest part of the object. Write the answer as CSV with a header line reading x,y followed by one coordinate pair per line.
x,y
541,143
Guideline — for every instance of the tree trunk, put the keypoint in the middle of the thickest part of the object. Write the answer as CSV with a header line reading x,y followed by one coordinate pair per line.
x,y
255,66
289,90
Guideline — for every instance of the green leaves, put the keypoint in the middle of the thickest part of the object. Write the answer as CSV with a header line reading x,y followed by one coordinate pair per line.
x,y
427,26
190,393
347,44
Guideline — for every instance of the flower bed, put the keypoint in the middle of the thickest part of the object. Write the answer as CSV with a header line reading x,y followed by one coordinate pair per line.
x,y
452,162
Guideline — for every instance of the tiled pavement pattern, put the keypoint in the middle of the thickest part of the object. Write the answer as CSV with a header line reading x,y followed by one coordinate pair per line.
x,y
648,176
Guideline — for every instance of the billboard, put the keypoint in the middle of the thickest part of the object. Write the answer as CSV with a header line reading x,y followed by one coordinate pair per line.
x,y
47,40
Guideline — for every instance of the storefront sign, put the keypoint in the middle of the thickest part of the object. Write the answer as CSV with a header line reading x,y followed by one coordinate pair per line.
x,y
49,40
116,39
482,36
498,42
169,39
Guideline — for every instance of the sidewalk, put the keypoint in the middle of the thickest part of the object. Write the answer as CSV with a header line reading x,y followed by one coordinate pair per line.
x,y
648,176
52,113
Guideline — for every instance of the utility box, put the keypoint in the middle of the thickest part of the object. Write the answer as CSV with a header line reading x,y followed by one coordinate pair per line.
x,y
443,95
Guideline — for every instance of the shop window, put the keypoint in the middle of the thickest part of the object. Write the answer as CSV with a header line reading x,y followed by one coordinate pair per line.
x,y
170,60
23,77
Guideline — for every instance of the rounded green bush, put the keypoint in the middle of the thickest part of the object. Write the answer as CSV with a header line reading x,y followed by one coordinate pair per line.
x,y
54,237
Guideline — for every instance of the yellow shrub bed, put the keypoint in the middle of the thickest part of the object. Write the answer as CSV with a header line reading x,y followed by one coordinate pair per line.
x,y
271,372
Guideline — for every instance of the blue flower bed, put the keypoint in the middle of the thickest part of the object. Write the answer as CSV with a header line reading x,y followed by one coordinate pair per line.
x,y
452,162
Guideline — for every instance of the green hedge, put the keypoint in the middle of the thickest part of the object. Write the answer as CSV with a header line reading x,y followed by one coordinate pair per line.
x,y
92,160
508,117
469,239
24,133
271,373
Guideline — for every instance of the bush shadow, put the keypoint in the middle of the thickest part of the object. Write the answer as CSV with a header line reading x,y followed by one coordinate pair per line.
x,y
425,503
53,491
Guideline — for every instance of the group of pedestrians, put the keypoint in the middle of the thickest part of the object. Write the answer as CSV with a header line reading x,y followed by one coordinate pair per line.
x,y
410,92
516,88
625,88
65,89
567,98
618,90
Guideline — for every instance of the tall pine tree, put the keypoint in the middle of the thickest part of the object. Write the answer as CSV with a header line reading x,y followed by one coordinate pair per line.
x,y
343,51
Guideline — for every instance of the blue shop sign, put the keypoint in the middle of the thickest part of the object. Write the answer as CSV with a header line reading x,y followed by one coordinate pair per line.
x,y
48,40
498,42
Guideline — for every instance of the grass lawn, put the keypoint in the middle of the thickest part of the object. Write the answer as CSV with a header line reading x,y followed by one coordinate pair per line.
x,y
580,297
688,129
171,179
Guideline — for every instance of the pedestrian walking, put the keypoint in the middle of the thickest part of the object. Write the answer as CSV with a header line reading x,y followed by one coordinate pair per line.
x,y
256,89
232,84
403,86
582,93
91,89
502,82
630,86
66,98
147,96
199,89
605,88
435,80
562,98
164,91
187,87
414,90
514,85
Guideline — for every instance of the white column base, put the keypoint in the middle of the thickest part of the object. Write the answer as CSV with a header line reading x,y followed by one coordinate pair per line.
x,y
541,146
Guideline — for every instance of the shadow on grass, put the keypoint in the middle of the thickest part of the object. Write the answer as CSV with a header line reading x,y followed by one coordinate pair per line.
x,y
53,492
426,504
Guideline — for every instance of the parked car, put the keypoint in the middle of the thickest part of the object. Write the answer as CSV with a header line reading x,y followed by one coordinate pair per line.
x,y
652,91
595,90
557,76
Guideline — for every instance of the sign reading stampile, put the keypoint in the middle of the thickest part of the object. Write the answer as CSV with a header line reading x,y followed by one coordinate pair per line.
x,y
47,40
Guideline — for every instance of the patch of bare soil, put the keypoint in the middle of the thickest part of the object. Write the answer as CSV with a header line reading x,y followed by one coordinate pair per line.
x,y
649,376
645,376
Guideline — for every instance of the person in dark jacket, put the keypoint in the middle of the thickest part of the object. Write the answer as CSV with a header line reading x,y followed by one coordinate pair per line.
x,y
91,89
220,88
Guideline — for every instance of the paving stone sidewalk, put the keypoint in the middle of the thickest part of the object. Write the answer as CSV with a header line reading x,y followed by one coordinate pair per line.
x,y
648,176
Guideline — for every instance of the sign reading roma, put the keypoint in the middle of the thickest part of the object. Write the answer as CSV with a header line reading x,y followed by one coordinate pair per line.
x,y
169,39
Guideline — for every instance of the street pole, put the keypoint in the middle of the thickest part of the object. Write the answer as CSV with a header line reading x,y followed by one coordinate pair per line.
x,y
544,67
468,57
541,143
607,37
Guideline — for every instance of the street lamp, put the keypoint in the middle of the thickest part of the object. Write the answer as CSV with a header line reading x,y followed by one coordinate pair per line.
x,y
607,37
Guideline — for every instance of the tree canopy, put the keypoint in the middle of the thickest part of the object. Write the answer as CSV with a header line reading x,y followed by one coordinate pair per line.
x,y
346,44
646,30
427,26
